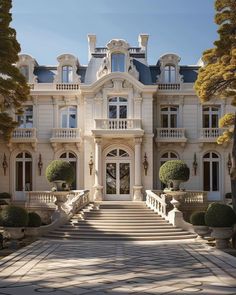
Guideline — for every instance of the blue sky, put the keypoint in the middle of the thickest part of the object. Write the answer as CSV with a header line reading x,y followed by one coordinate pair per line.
x,y
48,28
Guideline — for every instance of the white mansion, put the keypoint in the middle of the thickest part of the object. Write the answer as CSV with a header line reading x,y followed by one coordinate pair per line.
x,y
116,120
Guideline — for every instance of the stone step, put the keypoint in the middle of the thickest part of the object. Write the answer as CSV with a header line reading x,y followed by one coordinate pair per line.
x,y
122,237
120,226
122,230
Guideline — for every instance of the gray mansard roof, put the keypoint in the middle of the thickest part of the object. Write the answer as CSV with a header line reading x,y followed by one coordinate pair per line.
x,y
147,73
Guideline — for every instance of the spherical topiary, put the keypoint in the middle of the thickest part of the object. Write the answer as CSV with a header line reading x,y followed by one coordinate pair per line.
x,y
60,170
34,220
198,218
220,215
173,170
13,216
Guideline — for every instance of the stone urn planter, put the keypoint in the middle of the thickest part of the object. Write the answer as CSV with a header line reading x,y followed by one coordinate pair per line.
x,y
176,183
201,230
60,184
222,235
32,231
15,233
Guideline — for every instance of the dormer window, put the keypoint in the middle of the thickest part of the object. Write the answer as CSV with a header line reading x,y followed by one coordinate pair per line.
x,y
117,62
67,74
25,72
170,74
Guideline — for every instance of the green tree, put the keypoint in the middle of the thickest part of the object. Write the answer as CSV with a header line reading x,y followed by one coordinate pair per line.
x,y
217,77
13,86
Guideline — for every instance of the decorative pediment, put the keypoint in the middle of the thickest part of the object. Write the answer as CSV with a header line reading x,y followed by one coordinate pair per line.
x,y
118,45
30,63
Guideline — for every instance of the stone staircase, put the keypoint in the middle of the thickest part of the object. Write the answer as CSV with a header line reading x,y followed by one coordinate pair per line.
x,y
111,220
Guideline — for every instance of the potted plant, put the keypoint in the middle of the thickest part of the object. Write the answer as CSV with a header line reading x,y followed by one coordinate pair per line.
x,y
173,172
34,223
14,219
61,173
221,218
197,219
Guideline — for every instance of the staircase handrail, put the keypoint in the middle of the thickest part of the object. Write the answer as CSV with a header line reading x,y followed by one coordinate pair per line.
x,y
157,203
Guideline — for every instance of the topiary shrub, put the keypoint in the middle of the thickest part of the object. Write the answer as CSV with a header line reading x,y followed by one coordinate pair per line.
x,y
60,170
198,218
13,216
220,215
173,170
34,220
5,195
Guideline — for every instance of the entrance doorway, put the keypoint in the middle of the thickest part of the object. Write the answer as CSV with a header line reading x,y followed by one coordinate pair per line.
x,y
117,175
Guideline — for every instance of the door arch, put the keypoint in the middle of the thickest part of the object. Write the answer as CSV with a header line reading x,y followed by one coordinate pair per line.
x,y
117,174
211,175
23,174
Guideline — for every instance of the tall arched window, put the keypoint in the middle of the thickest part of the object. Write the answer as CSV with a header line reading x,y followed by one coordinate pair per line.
x,y
67,74
211,182
23,172
72,159
68,117
170,74
25,72
118,62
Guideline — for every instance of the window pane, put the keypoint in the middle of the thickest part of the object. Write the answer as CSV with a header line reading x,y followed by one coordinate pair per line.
x,y
117,62
111,178
164,121
67,74
19,176
215,176
206,121
124,178
214,122
64,121
28,176
123,112
173,120
72,121
63,156
122,99
206,176
112,112
113,99
214,155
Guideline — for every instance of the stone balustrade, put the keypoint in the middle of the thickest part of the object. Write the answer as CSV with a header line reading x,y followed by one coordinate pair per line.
x,y
65,133
24,133
117,124
210,134
168,86
67,86
171,133
156,202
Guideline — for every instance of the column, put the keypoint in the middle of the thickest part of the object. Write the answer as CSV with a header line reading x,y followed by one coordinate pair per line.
x,y
98,169
138,196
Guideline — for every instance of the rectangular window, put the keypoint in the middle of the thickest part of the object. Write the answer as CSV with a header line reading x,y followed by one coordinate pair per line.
x,y
26,120
117,62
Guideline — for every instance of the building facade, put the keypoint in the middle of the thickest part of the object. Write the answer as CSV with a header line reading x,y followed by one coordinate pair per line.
x,y
117,120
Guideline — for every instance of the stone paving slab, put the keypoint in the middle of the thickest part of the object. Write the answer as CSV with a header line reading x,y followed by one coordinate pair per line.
x,y
99,268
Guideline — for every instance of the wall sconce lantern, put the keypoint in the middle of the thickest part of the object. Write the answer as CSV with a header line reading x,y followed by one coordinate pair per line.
x,y
4,164
145,164
195,164
229,163
40,164
91,165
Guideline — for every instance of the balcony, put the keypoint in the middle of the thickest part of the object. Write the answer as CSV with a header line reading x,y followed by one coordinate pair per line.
x,y
24,136
65,136
210,135
168,86
171,135
118,127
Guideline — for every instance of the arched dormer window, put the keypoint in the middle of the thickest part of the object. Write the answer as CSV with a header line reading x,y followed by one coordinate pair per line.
x,y
67,74
25,72
118,62
170,74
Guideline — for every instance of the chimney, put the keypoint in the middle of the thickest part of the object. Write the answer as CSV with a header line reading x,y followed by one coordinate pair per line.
x,y
91,44
142,42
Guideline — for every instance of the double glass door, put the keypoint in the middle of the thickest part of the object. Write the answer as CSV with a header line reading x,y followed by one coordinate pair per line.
x,y
117,174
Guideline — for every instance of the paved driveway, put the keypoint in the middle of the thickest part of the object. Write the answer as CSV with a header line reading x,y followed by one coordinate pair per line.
x,y
84,267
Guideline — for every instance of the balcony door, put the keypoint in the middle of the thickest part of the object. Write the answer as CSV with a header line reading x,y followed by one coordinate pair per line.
x,y
211,175
210,116
117,175
23,175
117,112
169,117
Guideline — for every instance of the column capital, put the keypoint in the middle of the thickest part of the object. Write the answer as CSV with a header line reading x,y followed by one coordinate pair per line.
x,y
138,140
98,140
